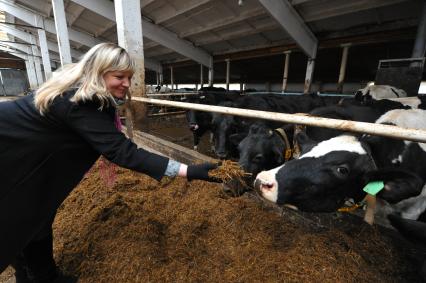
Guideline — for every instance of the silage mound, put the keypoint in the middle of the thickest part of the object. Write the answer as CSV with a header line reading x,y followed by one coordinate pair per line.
x,y
140,230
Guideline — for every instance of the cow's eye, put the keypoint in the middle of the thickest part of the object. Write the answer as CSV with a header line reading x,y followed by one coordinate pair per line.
x,y
258,158
343,170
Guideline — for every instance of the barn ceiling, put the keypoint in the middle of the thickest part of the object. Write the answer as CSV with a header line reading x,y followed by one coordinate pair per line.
x,y
224,28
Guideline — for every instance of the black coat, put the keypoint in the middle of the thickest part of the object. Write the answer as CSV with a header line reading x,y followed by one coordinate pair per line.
x,y
42,158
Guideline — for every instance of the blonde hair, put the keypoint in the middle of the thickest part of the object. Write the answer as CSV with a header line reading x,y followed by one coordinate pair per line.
x,y
86,75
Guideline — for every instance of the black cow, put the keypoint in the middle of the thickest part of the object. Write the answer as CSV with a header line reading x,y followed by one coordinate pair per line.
x,y
263,148
200,122
237,128
211,88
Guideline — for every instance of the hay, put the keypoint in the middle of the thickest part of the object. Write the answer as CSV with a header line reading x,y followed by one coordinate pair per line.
x,y
229,170
178,231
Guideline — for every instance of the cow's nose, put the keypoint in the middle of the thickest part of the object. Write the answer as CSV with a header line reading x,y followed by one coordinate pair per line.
x,y
263,182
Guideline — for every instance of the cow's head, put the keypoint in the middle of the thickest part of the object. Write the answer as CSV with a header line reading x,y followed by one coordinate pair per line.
x,y
329,172
191,118
262,149
222,127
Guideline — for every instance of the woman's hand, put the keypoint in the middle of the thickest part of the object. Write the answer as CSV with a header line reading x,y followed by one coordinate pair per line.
x,y
201,172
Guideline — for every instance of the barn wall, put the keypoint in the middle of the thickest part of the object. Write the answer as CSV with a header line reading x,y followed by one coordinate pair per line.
x,y
13,82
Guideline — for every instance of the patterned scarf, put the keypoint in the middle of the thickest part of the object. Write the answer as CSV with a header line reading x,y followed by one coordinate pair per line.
x,y
107,169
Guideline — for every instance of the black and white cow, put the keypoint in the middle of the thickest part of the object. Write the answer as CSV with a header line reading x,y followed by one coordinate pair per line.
x,y
376,92
331,171
264,148
353,112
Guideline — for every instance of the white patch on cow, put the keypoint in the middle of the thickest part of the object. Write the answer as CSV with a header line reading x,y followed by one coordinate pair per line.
x,y
397,160
406,118
340,143
413,102
416,209
383,91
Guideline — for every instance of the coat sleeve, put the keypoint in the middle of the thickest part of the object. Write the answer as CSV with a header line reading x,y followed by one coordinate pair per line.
x,y
98,129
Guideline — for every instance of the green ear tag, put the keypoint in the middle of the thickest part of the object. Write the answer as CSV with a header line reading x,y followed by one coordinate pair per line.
x,y
373,188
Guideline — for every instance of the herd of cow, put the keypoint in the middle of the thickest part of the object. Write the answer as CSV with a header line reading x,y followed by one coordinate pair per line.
x,y
316,169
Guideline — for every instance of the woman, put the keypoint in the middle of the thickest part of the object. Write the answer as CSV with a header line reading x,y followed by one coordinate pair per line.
x,y
50,139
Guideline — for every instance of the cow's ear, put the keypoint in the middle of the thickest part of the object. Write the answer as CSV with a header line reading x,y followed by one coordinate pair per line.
x,y
399,184
236,138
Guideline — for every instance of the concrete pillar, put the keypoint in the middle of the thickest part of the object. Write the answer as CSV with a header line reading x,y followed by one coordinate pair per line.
x,y
171,78
201,76
130,37
420,43
285,75
211,72
43,48
32,78
309,75
37,65
342,71
228,69
62,32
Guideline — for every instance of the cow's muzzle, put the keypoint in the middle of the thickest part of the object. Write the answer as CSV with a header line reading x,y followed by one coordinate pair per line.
x,y
193,127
